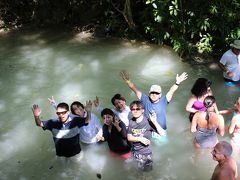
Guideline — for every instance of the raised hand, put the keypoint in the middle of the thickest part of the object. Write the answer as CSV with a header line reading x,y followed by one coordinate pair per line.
x,y
52,100
125,75
36,110
181,78
88,106
96,101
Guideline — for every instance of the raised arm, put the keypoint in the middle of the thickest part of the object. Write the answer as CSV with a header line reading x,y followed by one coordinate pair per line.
x,y
97,105
160,130
36,113
125,76
179,80
52,102
89,111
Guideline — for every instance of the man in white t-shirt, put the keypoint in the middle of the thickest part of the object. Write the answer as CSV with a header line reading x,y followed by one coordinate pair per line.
x,y
230,63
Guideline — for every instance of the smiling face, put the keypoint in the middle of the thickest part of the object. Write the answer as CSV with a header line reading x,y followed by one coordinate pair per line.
x,y
62,114
155,96
107,119
78,110
120,104
137,111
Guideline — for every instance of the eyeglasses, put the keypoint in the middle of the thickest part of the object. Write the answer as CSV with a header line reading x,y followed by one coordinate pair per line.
x,y
135,109
61,113
157,93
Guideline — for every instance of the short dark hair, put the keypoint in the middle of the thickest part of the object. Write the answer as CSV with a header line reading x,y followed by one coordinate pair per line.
x,y
137,103
107,111
200,87
226,148
76,104
119,97
63,105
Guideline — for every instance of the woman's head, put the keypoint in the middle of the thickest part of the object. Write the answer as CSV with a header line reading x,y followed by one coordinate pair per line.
x,y
108,116
201,87
209,101
77,108
119,102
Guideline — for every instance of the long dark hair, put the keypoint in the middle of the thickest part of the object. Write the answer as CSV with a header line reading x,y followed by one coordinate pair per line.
x,y
208,102
200,87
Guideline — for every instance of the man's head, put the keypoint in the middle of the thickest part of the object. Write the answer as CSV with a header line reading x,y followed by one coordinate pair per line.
x,y
119,102
62,111
222,150
236,47
137,109
155,93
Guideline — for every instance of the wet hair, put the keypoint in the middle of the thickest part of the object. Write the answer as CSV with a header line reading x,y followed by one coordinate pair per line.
x,y
119,97
208,102
138,103
76,104
225,148
200,87
63,105
107,111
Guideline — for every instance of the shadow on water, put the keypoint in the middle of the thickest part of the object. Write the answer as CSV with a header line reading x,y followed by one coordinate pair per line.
x,y
35,65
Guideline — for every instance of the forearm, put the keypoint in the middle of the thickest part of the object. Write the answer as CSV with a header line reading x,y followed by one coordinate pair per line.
x,y
38,121
223,68
88,117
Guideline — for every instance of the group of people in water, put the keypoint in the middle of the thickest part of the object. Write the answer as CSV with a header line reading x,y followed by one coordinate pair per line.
x,y
128,129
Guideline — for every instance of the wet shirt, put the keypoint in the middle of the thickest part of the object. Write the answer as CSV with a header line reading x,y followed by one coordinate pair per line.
x,y
65,135
117,141
159,108
140,129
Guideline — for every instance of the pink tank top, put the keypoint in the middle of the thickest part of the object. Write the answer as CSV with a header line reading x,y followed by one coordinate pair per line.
x,y
198,105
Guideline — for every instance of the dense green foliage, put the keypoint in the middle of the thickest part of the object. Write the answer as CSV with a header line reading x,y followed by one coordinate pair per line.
x,y
189,26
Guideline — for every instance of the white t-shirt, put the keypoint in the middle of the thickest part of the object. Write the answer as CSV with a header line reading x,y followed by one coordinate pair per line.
x,y
232,62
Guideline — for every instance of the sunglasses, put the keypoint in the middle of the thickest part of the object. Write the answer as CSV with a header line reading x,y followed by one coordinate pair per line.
x,y
61,113
157,93
135,109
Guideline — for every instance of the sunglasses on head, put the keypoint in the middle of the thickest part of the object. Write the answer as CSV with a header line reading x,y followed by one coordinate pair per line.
x,y
155,93
61,113
135,109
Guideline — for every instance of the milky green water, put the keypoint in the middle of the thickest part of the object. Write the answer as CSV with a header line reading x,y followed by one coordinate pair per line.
x,y
35,65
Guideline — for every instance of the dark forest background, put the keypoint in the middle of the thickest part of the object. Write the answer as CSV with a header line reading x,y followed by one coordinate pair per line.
x,y
188,26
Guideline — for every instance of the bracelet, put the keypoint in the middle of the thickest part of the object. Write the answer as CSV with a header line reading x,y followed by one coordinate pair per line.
x,y
36,116
127,81
177,84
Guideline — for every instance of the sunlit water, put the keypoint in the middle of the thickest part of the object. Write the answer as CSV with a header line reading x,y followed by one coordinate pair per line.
x,y
38,64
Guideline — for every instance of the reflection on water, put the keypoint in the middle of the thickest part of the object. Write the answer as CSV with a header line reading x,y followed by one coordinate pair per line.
x,y
37,65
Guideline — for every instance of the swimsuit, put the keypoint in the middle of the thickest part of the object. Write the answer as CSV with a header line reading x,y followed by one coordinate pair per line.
x,y
198,105
206,138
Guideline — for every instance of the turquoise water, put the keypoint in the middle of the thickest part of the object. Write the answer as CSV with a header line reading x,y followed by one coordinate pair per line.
x,y
35,65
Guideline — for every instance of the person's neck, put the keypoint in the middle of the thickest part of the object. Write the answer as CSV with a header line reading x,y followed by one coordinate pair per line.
x,y
222,161
139,119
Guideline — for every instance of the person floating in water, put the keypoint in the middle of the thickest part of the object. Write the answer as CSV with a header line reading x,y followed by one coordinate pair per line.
x,y
65,129
230,63
155,102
